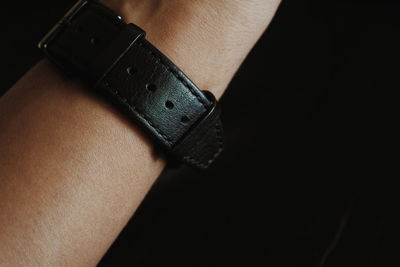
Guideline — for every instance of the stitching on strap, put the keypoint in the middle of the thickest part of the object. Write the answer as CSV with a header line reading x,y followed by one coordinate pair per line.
x,y
133,108
175,73
182,79
197,162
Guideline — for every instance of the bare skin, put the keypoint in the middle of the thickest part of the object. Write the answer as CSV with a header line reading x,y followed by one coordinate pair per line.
x,y
72,169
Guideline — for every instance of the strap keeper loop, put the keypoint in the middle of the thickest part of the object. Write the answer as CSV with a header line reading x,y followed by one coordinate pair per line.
x,y
109,57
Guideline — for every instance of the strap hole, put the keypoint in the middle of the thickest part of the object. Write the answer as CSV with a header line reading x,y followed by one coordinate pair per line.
x,y
131,70
185,119
169,105
151,87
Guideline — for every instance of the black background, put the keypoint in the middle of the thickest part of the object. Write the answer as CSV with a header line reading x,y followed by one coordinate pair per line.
x,y
306,176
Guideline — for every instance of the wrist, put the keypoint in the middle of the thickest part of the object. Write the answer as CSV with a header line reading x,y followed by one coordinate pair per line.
x,y
171,27
208,40
115,60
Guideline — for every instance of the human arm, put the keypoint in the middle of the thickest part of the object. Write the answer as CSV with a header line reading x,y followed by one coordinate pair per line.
x,y
72,169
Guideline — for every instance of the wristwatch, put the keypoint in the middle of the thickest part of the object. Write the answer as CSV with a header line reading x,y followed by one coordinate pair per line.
x,y
116,61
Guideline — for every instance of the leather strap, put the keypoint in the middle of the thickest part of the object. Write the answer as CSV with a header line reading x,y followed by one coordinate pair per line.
x,y
116,59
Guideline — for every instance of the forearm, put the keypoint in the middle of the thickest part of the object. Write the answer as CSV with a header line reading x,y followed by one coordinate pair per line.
x,y
72,169
72,172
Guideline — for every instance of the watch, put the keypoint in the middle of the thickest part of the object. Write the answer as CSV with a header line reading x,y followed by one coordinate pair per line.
x,y
116,61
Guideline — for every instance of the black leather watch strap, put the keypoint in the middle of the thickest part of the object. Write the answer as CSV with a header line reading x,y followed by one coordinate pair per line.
x,y
116,59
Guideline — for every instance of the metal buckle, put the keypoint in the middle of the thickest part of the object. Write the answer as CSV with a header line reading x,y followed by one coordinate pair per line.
x,y
51,35
214,107
66,21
